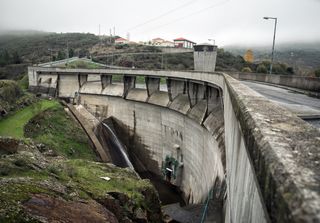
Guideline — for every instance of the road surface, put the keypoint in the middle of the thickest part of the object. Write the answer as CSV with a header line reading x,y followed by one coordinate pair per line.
x,y
307,108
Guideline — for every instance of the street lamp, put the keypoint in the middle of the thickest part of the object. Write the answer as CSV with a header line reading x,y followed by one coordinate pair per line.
x,y
274,39
214,42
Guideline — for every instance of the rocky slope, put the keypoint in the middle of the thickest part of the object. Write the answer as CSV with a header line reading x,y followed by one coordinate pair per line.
x,y
37,186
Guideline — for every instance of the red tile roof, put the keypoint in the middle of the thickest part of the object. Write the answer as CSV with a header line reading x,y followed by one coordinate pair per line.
x,y
183,39
121,39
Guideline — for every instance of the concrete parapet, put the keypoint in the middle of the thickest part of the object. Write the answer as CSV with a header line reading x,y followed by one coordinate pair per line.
x,y
282,149
299,82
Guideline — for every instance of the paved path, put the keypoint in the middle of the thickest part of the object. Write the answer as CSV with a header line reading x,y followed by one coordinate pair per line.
x,y
308,108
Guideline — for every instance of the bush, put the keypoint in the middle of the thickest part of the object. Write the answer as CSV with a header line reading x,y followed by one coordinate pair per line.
x,y
246,69
20,162
317,73
262,69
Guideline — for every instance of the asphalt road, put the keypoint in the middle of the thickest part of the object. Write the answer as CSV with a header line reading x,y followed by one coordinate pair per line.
x,y
306,107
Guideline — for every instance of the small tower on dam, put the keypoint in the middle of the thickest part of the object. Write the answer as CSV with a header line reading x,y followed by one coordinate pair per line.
x,y
205,56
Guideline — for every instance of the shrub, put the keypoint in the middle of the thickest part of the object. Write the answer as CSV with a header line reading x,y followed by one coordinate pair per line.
x,y
262,69
246,69
20,162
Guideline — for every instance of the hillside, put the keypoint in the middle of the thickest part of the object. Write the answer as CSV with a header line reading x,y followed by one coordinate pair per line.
x,y
41,47
20,49
303,57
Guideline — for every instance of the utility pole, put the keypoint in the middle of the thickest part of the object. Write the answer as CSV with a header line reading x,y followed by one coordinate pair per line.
x,y
274,39
67,49
161,61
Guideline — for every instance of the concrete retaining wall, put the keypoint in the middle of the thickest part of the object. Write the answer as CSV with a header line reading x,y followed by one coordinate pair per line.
x,y
300,82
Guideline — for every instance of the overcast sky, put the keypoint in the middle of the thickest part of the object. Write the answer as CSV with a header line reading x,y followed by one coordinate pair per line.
x,y
226,21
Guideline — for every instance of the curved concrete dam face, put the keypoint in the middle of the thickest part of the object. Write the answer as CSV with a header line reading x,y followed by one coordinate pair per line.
x,y
164,139
189,135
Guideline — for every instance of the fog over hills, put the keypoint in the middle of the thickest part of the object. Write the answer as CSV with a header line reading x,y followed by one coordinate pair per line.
x,y
303,56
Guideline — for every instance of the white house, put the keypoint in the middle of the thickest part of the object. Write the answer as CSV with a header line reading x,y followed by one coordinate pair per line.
x,y
167,44
183,43
121,41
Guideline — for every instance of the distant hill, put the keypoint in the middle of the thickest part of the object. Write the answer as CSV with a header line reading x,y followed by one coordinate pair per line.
x,y
18,49
35,46
303,57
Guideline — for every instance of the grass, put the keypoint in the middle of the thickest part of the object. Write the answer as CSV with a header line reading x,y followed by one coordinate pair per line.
x,y
13,124
87,175
80,176
60,132
82,64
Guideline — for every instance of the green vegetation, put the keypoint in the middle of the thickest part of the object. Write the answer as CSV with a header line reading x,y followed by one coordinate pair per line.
x,y
226,61
57,130
246,69
23,82
317,73
303,58
87,174
82,64
12,97
262,69
33,48
28,172
13,124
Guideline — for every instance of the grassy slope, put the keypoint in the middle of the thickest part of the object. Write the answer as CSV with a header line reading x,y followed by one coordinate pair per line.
x,y
14,123
57,130
81,64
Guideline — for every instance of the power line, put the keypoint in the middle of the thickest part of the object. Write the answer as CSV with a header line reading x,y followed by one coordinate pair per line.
x,y
164,14
191,14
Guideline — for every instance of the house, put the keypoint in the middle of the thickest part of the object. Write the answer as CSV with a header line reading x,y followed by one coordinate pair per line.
x,y
121,41
183,43
167,44
157,41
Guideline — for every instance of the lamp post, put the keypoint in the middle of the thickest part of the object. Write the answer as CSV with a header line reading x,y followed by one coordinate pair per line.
x,y
274,39
214,42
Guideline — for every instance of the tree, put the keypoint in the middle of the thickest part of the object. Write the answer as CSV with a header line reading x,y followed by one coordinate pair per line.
x,y
61,55
246,70
16,59
71,52
290,70
317,73
5,58
262,68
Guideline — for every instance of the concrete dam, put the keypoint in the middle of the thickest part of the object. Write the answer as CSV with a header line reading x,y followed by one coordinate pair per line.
x,y
206,128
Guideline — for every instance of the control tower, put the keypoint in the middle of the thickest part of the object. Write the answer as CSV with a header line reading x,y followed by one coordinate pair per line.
x,y
205,56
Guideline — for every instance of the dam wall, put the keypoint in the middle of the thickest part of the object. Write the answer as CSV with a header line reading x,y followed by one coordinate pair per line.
x,y
154,133
270,156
